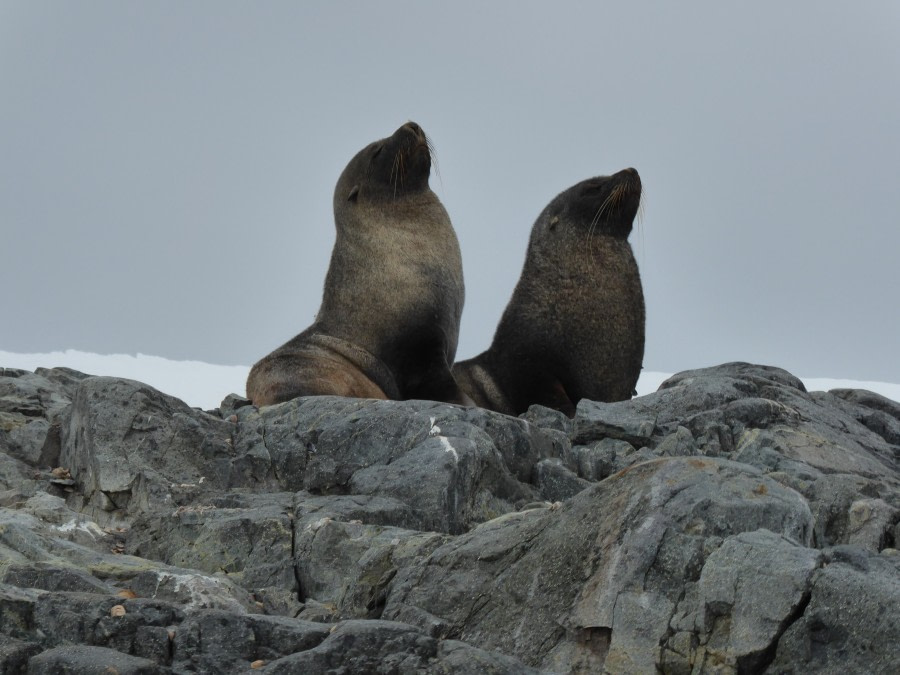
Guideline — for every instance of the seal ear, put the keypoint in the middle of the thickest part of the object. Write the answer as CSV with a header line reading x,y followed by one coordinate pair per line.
x,y
354,193
554,221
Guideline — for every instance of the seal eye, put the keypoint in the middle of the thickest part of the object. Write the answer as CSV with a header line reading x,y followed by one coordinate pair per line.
x,y
554,221
377,151
354,193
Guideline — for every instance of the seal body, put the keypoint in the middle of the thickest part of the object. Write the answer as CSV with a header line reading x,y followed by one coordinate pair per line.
x,y
389,321
574,327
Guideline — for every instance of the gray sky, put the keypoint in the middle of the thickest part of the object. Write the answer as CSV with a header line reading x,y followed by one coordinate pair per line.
x,y
167,168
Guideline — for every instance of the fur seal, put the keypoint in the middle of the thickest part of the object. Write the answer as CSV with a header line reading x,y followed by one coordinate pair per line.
x,y
574,327
389,321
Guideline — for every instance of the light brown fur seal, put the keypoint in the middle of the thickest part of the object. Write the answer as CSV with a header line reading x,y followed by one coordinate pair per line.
x,y
574,327
389,320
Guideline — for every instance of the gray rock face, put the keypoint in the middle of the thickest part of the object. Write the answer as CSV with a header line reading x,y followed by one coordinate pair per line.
x,y
730,522
389,647
130,446
614,560
82,660
850,624
32,406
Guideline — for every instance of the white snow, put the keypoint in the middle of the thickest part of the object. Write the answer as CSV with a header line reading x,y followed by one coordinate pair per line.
x,y
204,385
891,391
198,384
650,381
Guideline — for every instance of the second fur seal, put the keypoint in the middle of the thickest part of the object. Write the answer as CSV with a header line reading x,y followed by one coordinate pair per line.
x,y
389,321
574,327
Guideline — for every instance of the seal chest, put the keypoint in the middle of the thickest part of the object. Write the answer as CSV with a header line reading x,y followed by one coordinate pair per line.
x,y
574,327
388,324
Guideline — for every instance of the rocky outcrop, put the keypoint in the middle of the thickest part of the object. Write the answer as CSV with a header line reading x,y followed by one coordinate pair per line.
x,y
730,522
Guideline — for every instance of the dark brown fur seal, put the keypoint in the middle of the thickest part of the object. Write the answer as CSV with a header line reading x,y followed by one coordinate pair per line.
x,y
574,327
389,320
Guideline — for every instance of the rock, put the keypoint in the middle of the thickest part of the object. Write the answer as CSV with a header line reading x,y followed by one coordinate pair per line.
x,y
248,537
594,421
556,482
17,611
604,458
83,660
14,654
643,532
763,416
15,474
45,394
680,443
730,522
350,565
27,441
230,405
51,577
386,646
751,588
216,641
548,418
451,466
32,406
141,627
870,523
130,447
850,623
366,509
42,555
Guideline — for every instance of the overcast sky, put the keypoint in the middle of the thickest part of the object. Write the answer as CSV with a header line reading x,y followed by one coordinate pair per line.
x,y
167,168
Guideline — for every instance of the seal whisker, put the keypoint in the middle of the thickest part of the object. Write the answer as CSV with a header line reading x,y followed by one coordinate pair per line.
x,y
434,160
604,207
395,170
618,195
403,170
640,222
601,211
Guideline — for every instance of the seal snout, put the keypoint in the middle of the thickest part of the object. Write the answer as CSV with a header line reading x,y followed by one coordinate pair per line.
x,y
416,131
413,138
630,177
407,159
627,185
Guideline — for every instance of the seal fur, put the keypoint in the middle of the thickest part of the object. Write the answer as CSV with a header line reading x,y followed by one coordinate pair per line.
x,y
388,324
574,327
